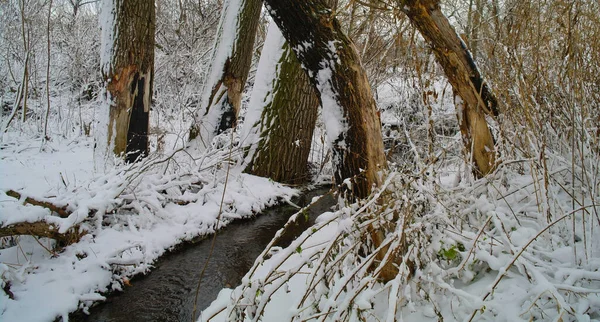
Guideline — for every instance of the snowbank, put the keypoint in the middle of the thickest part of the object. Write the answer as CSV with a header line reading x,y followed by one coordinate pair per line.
x,y
133,215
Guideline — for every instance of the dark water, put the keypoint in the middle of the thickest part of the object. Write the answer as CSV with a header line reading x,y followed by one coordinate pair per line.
x,y
167,293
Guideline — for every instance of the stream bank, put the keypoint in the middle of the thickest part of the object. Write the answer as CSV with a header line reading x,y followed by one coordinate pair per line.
x,y
167,292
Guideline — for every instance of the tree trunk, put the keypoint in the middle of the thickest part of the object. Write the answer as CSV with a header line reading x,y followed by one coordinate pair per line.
x,y
460,68
231,60
330,60
127,64
281,115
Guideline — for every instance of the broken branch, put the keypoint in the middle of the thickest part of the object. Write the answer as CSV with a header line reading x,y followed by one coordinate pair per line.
x,y
61,211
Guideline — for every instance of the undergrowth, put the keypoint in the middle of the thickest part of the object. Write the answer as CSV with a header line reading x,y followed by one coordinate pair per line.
x,y
507,247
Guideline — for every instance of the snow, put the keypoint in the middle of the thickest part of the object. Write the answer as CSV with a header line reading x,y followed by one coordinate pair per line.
x,y
262,90
333,114
109,32
209,116
502,270
47,284
519,245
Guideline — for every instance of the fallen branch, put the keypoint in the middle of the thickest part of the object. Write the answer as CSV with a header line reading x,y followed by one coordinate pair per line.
x,y
61,211
43,229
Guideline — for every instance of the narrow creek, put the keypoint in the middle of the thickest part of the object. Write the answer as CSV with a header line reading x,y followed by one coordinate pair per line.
x,y
167,292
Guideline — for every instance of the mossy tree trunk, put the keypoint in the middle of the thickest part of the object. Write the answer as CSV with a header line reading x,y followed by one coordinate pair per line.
x,y
231,60
281,116
475,99
333,66
128,71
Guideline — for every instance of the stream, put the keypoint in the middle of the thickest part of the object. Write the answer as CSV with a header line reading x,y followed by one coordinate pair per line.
x,y
167,292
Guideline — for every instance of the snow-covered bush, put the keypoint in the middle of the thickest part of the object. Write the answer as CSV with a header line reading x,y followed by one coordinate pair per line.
x,y
486,250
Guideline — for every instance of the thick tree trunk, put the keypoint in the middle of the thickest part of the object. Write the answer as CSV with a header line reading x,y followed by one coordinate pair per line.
x,y
476,97
281,115
330,59
232,57
128,70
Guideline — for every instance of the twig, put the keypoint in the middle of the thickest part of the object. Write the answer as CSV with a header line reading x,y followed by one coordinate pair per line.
x,y
53,253
464,262
212,244
505,270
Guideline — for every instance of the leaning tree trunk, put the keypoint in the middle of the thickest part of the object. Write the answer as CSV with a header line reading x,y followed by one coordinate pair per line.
x,y
476,99
281,115
127,64
231,60
330,59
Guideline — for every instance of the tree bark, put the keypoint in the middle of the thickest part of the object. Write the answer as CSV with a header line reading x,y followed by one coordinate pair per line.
x,y
232,57
128,70
333,66
461,70
279,142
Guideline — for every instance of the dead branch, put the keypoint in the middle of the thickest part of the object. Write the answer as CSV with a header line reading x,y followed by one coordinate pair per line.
x,y
61,211
43,229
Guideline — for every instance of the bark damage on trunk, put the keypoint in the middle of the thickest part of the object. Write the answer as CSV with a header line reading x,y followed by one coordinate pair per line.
x,y
221,108
475,99
129,78
331,61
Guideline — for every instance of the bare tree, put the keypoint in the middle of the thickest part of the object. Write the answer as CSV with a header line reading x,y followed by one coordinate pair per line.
x,y
474,98
232,57
128,68
334,68
23,86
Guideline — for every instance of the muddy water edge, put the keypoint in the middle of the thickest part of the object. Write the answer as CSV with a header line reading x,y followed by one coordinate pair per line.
x,y
167,292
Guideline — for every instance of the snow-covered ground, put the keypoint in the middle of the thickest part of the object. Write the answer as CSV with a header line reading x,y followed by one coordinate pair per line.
x,y
133,215
519,245
482,251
